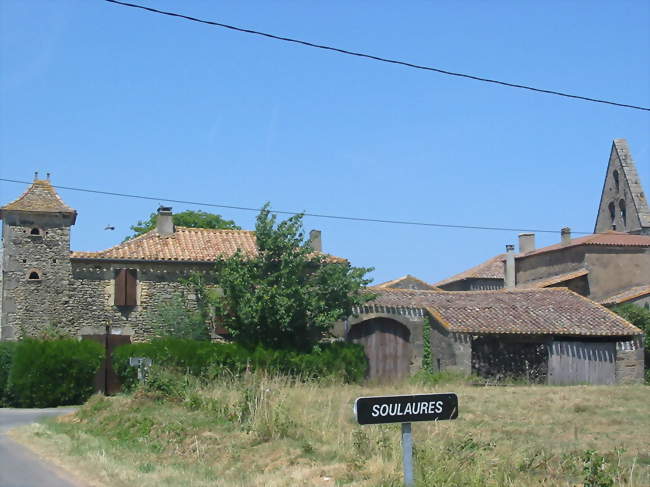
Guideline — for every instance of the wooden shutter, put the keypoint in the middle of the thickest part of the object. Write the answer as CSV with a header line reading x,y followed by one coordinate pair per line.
x,y
120,287
131,297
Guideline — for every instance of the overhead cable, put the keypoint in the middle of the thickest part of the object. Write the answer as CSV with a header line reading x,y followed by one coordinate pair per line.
x,y
376,58
286,212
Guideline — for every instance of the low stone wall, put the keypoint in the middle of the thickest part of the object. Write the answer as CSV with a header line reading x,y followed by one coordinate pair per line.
x,y
630,361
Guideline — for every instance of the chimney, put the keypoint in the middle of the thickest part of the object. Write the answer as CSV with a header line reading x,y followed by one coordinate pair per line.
x,y
315,241
566,236
164,222
509,281
526,242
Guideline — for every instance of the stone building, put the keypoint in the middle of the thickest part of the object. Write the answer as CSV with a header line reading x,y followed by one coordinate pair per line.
x,y
119,290
550,335
612,266
623,204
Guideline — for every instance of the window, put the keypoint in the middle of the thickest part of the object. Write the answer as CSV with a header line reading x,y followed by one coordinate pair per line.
x,y
35,231
621,206
34,276
126,287
612,211
616,182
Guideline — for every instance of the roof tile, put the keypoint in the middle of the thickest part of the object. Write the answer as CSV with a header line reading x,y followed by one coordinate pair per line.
x,y
550,311
39,197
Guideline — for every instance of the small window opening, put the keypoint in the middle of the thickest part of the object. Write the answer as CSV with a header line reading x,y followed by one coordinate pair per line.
x,y
621,206
612,211
616,182
35,231
24,261
54,261
33,276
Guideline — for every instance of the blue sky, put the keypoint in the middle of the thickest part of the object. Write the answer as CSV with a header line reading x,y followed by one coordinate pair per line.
x,y
116,99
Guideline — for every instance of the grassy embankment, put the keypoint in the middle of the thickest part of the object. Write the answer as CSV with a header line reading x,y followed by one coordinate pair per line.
x,y
272,432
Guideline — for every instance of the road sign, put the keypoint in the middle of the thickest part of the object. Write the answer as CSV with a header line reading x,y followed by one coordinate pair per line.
x,y
406,408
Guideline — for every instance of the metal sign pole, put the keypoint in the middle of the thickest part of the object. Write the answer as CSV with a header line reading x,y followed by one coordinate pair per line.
x,y
407,454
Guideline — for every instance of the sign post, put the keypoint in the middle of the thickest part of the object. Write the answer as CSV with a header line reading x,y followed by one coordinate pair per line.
x,y
406,409
143,364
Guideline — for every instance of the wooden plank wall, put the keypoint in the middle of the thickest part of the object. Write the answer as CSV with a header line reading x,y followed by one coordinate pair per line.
x,y
581,363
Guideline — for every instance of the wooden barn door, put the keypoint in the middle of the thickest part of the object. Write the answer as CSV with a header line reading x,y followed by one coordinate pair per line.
x,y
387,346
581,363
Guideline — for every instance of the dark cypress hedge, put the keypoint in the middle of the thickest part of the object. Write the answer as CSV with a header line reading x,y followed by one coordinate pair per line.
x,y
54,373
205,359
7,351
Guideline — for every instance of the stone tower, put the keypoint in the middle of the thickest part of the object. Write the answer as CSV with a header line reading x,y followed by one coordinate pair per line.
x,y
36,269
623,204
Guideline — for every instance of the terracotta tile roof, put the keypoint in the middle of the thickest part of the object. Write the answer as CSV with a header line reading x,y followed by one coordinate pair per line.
x,y
611,238
405,282
490,269
550,281
627,295
551,311
39,197
185,244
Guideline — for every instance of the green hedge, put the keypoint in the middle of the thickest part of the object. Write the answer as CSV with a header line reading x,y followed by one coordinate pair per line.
x,y
54,373
7,352
205,359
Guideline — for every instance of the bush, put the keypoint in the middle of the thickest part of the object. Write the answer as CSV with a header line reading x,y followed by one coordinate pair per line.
x,y
204,359
54,373
7,351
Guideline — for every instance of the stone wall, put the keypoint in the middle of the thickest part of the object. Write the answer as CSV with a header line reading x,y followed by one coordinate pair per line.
x,y
450,351
34,304
92,288
630,361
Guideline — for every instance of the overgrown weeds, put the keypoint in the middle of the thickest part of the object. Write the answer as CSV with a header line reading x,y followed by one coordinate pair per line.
x,y
258,429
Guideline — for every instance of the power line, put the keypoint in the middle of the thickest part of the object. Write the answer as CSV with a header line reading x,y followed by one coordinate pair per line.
x,y
286,212
376,58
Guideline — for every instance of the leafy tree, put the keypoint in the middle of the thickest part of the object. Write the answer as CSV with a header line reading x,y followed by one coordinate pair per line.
x,y
174,318
287,296
188,218
638,316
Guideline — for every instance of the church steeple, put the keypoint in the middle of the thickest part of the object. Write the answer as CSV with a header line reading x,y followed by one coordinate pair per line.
x,y
623,204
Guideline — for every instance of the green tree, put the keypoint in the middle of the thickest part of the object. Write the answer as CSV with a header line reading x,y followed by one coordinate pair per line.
x,y
188,218
638,316
287,296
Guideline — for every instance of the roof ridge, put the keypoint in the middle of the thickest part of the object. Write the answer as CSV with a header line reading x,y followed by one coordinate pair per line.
x,y
210,229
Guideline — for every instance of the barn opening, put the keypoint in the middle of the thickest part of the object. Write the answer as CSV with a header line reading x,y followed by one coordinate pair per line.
x,y
504,357
387,346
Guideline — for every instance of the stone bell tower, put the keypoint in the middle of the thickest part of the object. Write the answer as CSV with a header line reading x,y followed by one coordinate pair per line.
x,y
36,269
623,204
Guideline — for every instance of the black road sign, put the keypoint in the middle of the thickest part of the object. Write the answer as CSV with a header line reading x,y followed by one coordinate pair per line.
x,y
406,409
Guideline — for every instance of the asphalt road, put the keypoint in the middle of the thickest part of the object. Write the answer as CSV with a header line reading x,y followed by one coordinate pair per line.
x,y
19,467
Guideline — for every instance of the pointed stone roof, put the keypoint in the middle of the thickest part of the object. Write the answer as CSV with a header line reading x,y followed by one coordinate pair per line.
x,y
40,197
631,191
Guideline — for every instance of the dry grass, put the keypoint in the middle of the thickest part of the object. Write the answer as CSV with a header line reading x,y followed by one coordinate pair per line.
x,y
271,432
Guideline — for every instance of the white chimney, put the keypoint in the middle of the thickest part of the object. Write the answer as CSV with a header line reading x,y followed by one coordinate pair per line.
x,y
526,242
315,241
509,281
164,221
